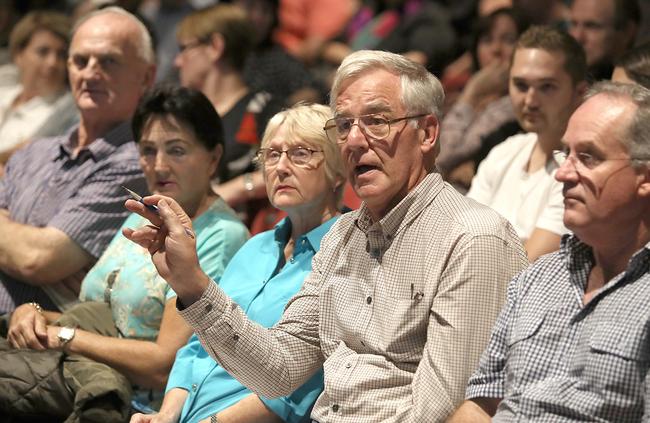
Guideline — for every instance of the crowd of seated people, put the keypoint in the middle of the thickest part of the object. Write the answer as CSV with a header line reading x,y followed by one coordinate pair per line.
x,y
160,309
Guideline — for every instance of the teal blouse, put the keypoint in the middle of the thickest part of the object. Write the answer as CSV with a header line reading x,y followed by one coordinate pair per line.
x,y
261,283
125,277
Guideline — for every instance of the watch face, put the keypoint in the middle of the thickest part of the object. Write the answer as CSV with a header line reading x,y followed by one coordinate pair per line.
x,y
66,334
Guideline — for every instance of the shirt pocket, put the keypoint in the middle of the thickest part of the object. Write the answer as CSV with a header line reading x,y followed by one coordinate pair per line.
x,y
525,346
617,365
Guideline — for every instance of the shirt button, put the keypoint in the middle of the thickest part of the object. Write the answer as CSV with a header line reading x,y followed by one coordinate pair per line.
x,y
194,386
208,308
369,300
335,408
235,337
291,260
348,365
375,253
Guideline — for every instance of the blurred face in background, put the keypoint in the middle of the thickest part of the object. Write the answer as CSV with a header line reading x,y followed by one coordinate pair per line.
x,y
592,25
193,62
42,63
498,43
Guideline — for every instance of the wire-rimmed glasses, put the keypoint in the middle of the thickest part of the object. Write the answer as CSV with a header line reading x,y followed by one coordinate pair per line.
x,y
375,126
299,156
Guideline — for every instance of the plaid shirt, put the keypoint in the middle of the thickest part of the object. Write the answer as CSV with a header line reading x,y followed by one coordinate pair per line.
x,y
552,359
398,311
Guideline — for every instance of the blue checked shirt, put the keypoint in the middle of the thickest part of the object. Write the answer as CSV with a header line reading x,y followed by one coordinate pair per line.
x,y
552,359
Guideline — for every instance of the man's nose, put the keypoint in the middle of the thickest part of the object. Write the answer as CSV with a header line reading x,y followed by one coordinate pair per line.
x,y
356,137
530,98
567,172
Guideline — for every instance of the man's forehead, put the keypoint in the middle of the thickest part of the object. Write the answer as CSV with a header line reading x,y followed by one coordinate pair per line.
x,y
597,119
106,32
538,63
601,10
374,92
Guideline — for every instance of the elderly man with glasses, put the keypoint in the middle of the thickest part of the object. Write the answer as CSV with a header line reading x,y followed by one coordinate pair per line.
x,y
572,343
402,294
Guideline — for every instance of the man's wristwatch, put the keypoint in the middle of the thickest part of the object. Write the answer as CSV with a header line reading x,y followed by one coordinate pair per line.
x,y
65,335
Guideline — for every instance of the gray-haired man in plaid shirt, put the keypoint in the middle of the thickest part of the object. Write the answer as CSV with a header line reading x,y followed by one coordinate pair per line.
x,y
403,293
573,341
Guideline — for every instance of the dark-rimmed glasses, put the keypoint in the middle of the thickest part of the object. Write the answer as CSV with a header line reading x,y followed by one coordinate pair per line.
x,y
299,156
192,44
375,126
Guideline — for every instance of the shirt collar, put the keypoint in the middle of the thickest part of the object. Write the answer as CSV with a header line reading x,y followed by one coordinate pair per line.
x,y
101,147
577,254
313,237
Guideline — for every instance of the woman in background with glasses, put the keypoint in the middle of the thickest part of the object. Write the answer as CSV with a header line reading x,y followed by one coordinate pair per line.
x,y
304,177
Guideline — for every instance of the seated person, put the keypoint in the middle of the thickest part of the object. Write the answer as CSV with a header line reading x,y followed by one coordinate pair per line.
x,y
483,105
40,105
547,80
605,29
399,287
634,66
180,143
60,198
304,177
214,45
571,344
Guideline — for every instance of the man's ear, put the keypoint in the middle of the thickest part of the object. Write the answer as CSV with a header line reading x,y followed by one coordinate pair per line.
x,y
431,128
644,187
149,77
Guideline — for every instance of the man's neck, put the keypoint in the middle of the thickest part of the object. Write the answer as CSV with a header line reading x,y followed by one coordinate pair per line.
x,y
90,131
543,151
612,256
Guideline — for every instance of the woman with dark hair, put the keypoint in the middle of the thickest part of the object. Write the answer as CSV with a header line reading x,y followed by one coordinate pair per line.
x,y
180,140
634,66
483,105
40,104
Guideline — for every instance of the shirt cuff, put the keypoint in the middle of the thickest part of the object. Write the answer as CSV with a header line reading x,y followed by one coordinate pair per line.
x,y
204,312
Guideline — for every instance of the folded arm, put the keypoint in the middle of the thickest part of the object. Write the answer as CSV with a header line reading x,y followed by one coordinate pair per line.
x,y
38,256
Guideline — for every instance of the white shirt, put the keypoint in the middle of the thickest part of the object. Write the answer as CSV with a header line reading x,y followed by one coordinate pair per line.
x,y
39,117
527,200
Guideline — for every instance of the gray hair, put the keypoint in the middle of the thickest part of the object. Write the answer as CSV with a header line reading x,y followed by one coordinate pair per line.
x,y
636,136
144,48
421,91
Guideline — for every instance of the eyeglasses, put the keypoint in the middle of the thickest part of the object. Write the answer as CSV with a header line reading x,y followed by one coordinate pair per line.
x,y
584,161
375,126
299,156
192,44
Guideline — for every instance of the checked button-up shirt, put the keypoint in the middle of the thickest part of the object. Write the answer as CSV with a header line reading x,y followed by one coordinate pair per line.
x,y
397,311
553,359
